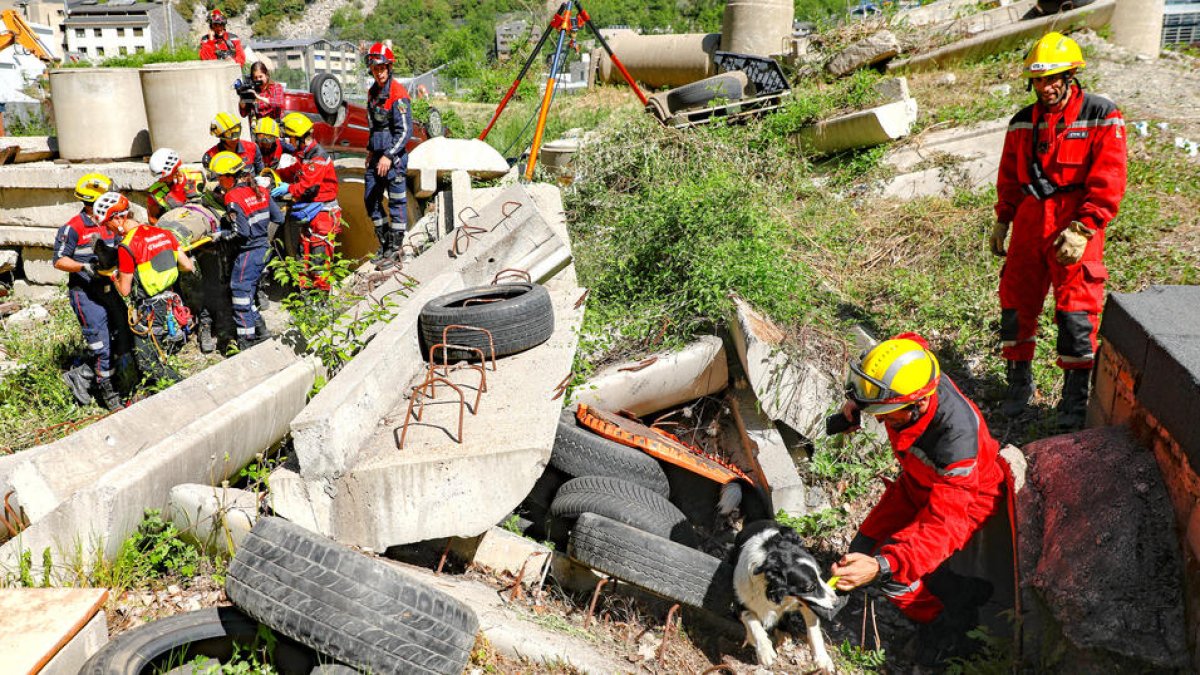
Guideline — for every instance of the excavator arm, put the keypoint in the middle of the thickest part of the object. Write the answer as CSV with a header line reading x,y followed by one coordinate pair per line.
x,y
18,32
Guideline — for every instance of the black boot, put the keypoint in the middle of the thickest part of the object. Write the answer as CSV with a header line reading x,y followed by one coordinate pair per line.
x,y
260,330
1072,409
383,255
1020,388
79,380
208,342
109,397
946,636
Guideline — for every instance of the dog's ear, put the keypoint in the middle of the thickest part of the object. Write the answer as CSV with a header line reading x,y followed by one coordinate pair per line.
x,y
774,571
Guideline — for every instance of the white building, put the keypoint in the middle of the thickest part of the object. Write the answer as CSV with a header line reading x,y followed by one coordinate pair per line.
x,y
19,72
121,27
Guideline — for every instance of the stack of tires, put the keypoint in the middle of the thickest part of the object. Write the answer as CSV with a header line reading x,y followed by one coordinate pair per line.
x,y
335,611
609,505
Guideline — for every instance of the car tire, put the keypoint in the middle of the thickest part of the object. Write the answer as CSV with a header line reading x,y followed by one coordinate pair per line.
x,y
435,127
625,502
160,645
519,316
657,564
327,94
361,611
580,452
726,85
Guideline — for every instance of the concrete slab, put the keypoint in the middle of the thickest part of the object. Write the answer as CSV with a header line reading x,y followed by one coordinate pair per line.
x,y
935,12
436,487
28,236
42,623
30,148
862,129
90,639
93,521
438,157
697,370
1004,37
976,141
215,517
41,194
328,433
862,53
765,453
502,552
38,265
46,475
789,388
943,181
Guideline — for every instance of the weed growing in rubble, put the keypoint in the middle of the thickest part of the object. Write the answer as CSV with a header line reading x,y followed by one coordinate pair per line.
x,y
156,550
860,659
814,525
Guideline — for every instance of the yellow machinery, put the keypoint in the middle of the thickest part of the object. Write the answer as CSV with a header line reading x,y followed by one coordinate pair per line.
x,y
17,32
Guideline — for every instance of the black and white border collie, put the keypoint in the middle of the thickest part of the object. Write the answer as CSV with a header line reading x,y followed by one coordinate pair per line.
x,y
774,575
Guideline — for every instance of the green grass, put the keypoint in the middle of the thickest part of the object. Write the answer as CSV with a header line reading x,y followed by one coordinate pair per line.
x,y
184,52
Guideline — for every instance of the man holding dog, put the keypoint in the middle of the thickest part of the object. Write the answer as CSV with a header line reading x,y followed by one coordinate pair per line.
x,y
950,484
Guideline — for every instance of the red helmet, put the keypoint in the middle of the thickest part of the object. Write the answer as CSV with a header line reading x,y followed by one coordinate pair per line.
x,y
217,17
379,53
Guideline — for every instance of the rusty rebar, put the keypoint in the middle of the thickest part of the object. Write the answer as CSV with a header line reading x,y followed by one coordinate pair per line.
x,y
464,327
587,619
582,298
417,398
442,560
662,647
561,387
432,372
468,232
640,365
513,272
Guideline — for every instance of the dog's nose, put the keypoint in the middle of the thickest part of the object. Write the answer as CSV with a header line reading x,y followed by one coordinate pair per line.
x,y
827,613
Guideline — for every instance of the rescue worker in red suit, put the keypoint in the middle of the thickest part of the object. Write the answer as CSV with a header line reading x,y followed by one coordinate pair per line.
x,y
250,210
228,130
950,484
312,186
174,186
148,264
266,137
389,112
95,301
1061,180
219,43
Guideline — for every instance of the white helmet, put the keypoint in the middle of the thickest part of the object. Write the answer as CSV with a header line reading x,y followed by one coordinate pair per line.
x,y
108,205
163,162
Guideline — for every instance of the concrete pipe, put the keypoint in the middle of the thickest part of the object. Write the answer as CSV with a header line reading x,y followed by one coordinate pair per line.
x,y
181,100
99,113
759,27
1137,26
660,60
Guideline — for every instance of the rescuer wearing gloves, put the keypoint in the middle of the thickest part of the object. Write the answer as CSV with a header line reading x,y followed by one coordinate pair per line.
x,y
312,185
1061,180
950,484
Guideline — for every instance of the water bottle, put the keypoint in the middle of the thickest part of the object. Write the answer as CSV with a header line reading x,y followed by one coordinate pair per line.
x,y
172,327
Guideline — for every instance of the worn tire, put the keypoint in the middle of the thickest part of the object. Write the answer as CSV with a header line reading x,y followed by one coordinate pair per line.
x,y
361,611
625,502
666,568
580,452
696,94
521,317
212,632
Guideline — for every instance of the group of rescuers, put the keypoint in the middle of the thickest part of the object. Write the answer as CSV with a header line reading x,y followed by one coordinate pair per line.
x,y
236,186
1060,182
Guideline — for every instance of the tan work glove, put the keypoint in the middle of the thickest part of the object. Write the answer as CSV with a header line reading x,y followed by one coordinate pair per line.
x,y
1071,242
996,240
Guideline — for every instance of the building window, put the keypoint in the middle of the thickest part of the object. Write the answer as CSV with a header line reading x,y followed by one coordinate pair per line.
x,y
95,32
122,51
83,50
140,49
99,51
120,32
79,32
137,32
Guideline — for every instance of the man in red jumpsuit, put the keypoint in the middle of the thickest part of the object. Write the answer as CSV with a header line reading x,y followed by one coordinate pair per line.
x,y
219,43
950,484
1061,180
312,185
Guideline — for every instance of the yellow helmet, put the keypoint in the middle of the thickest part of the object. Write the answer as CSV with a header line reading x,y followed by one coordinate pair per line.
x,y
1054,53
296,125
91,186
225,126
226,164
893,374
267,126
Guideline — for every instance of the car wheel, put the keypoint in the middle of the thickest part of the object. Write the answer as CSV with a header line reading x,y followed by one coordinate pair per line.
x,y
581,452
623,501
519,316
357,609
434,127
327,93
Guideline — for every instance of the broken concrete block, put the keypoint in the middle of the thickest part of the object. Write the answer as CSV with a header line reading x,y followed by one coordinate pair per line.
x,y
789,389
38,264
862,129
892,89
438,157
51,630
866,52
666,380
503,552
8,260
765,453
1096,529
30,316
216,517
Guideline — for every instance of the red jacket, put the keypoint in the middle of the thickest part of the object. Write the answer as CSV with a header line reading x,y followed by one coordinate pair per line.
x,y
273,107
1081,149
313,178
228,46
949,484
247,150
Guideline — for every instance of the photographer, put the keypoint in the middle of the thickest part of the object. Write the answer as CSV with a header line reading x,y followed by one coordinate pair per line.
x,y
1061,180
260,97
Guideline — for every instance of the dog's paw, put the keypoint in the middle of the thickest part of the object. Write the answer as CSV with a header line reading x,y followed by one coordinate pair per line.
x,y
766,655
826,666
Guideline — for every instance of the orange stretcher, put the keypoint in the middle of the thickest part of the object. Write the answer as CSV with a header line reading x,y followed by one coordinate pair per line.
x,y
659,444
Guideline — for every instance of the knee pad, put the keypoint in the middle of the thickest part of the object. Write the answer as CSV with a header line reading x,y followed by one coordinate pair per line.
x,y
1074,334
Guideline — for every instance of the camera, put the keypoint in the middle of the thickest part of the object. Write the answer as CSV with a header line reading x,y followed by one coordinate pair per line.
x,y
245,90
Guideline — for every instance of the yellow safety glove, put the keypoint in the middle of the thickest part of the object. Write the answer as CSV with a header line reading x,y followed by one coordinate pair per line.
x,y
996,240
1071,242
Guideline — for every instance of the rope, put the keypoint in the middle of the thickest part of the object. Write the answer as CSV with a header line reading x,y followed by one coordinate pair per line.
x,y
532,119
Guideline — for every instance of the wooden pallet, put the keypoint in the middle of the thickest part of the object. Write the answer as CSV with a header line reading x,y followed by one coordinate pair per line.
x,y
740,110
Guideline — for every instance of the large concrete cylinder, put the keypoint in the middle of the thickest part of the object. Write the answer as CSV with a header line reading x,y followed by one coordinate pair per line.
x,y
181,100
759,27
660,60
99,113
1137,26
